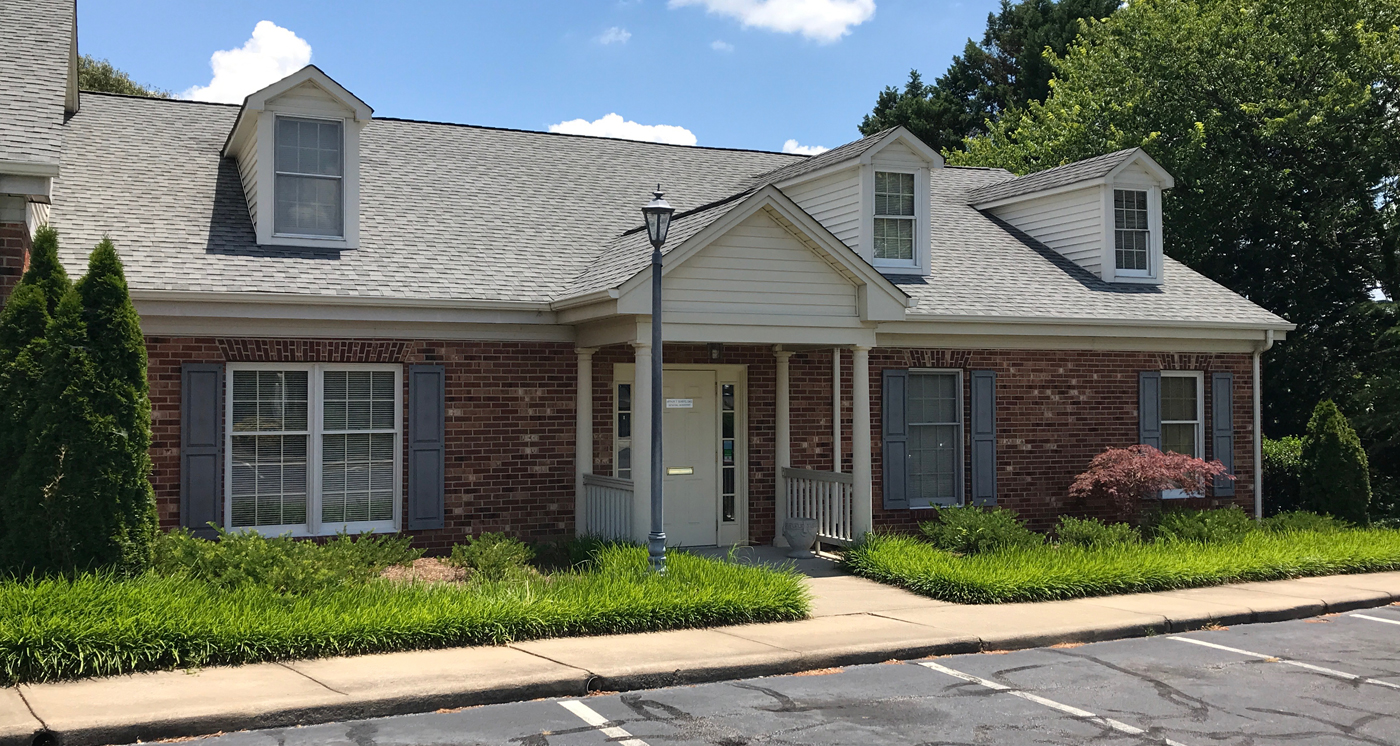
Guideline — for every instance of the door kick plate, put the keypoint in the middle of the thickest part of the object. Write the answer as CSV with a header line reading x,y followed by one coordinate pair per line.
x,y
673,471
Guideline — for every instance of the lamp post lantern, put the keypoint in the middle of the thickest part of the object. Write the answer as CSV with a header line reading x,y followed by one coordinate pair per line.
x,y
658,216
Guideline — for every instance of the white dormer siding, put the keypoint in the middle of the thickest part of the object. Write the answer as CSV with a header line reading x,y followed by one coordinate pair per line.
x,y
307,96
842,197
1104,213
834,200
1071,223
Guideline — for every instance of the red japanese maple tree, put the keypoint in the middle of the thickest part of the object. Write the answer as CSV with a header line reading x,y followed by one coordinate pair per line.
x,y
1124,476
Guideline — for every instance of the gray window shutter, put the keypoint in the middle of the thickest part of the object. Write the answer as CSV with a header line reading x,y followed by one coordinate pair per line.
x,y
1222,426
201,447
895,443
984,437
1150,408
426,445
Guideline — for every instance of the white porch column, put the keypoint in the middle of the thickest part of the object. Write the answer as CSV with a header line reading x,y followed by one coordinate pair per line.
x,y
864,509
583,437
782,444
836,409
641,442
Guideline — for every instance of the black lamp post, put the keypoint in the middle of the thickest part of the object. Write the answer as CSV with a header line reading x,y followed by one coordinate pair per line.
x,y
658,217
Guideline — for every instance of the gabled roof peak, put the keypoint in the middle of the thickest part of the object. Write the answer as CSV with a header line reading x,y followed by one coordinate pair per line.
x,y
1059,177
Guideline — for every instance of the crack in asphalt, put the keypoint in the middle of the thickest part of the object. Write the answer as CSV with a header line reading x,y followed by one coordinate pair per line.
x,y
1199,708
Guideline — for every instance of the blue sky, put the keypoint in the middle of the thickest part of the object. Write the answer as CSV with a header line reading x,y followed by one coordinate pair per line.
x,y
733,73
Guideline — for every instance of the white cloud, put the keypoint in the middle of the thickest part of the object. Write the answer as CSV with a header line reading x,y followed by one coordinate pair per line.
x,y
615,35
791,146
822,20
613,125
271,54
720,45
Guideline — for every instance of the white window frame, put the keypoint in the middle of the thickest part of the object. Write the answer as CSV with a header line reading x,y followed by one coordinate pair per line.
x,y
919,218
959,446
1155,257
341,179
1150,261
1200,423
315,423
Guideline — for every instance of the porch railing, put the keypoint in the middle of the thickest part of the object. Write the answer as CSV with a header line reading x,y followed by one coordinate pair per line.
x,y
607,509
827,496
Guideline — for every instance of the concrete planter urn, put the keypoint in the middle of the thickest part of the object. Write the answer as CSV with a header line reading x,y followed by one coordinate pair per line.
x,y
801,534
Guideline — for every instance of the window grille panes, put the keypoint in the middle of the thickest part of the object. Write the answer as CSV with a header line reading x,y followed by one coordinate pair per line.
x,y
357,445
934,412
728,464
1130,235
309,191
1181,415
623,469
894,216
268,447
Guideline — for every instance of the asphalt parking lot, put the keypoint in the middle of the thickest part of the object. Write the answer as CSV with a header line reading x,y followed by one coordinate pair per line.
x,y
1327,680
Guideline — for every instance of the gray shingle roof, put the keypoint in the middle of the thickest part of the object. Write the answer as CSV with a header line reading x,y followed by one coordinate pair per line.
x,y
446,211
817,162
33,78
1050,178
982,267
470,213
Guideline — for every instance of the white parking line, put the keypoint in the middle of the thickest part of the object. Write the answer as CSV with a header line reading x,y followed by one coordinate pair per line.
x,y
1286,662
1117,725
1375,618
588,715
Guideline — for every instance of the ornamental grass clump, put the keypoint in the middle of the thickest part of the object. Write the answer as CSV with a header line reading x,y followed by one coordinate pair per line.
x,y
1123,477
98,624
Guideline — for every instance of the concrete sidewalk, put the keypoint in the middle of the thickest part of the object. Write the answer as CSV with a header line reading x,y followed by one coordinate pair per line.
x,y
853,621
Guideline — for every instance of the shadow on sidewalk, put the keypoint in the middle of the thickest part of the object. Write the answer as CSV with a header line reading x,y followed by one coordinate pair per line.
x,y
818,566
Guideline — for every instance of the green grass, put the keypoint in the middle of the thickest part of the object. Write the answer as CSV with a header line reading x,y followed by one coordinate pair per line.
x,y
98,625
1053,572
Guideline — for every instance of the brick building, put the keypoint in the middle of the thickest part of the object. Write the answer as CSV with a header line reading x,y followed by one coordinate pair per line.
x,y
357,323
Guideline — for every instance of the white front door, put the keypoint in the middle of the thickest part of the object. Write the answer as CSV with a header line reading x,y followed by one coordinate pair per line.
x,y
690,454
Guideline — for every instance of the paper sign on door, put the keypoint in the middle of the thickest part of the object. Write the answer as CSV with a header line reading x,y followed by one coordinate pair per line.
x,y
680,403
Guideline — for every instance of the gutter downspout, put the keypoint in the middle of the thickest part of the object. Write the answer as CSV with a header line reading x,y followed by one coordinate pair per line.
x,y
1259,428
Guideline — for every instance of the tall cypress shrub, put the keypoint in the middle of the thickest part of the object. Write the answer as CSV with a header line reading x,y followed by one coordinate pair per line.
x,y
1335,478
24,321
121,464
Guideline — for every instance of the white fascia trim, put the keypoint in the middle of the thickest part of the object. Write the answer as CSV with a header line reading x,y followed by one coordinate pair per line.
x,y
585,299
28,168
1071,187
1141,156
834,168
1185,327
298,299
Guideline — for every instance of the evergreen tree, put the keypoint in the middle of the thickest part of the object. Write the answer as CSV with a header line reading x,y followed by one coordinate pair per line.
x,y
1008,69
1335,479
122,464
23,324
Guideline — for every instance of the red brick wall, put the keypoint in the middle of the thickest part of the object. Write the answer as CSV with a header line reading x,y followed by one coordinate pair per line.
x,y
511,420
510,424
14,256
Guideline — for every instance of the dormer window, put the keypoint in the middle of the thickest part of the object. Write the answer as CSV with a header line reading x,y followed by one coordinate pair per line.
x,y
894,218
310,167
1131,238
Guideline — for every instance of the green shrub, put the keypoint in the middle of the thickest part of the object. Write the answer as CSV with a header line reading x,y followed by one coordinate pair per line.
x,y
574,553
493,556
1283,468
1302,520
1335,477
972,530
1051,573
280,564
1091,532
99,625
1219,525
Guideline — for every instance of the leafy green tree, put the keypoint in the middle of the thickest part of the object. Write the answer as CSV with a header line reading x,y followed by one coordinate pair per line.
x,y
1008,69
100,75
1335,477
1377,413
1277,118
